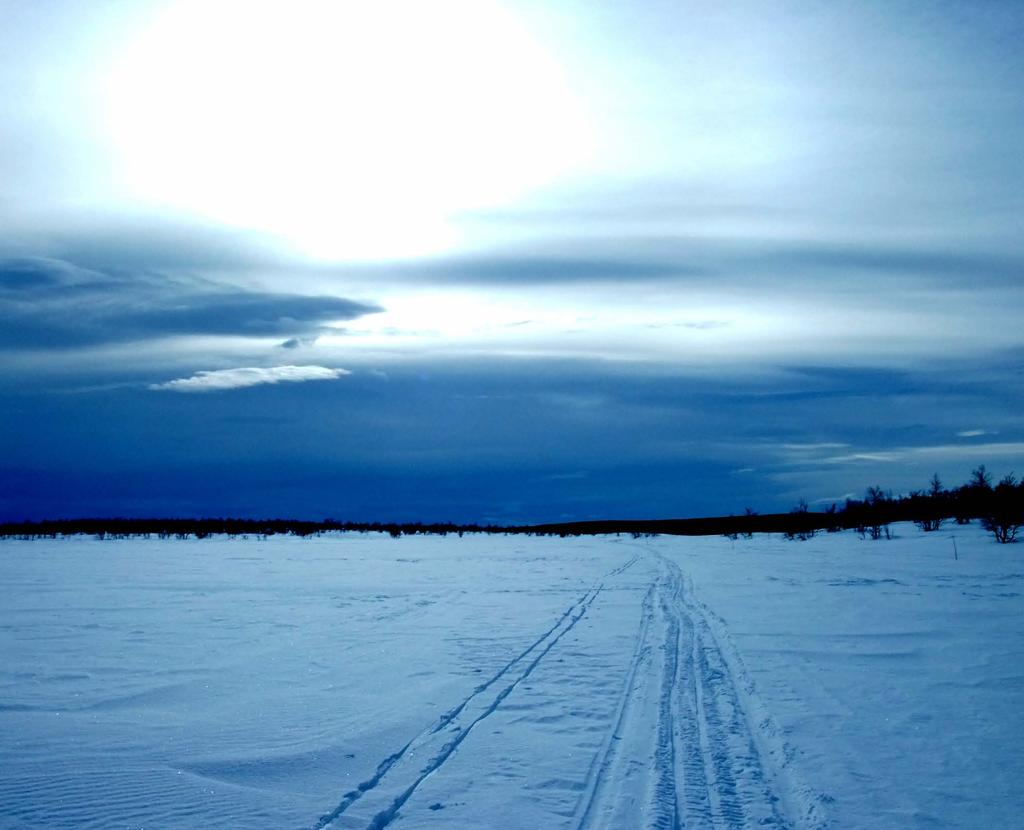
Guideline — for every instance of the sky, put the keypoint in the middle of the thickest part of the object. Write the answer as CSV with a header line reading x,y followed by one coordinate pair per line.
x,y
505,262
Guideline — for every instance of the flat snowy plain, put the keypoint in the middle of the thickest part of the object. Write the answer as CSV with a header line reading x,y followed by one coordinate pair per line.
x,y
510,682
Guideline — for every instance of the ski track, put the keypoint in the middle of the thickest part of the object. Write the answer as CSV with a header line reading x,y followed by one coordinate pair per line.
x,y
681,753
447,725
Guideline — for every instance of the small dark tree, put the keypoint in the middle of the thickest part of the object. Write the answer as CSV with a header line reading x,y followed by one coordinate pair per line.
x,y
801,529
932,509
833,519
973,498
748,512
981,479
877,502
731,533
1005,514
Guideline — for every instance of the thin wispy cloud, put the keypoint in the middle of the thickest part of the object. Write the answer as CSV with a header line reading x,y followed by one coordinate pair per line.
x,y
823,445
219,380
1005,449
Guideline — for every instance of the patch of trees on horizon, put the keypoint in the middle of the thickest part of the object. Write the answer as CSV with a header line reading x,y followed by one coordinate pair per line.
x,y
998,506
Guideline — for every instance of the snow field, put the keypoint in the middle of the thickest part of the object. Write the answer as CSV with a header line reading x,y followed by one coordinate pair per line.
x,y
493,682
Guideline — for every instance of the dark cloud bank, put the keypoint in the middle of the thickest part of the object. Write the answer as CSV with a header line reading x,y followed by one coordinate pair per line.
x,y
503,440
54,304
486,438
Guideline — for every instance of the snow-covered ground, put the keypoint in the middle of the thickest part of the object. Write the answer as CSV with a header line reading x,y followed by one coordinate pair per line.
x,y
508,682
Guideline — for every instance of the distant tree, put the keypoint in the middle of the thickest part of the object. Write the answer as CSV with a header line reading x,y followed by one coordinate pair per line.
x,y
877,496
749,512
801,529
932,509
972,499
833,512
981,479
877,501
1005,513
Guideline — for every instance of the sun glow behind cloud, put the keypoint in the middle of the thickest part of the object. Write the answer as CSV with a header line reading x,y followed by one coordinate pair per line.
x,y
679,232
351,130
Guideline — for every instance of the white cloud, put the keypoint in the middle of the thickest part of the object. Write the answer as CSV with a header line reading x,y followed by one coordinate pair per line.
x,y
972,433
823,445
972,451
221,379
951,452
881,457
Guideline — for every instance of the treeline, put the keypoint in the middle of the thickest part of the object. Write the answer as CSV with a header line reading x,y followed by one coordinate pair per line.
x,y
120,528
998,506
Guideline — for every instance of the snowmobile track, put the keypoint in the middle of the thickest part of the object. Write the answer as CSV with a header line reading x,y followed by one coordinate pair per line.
x,y
681,753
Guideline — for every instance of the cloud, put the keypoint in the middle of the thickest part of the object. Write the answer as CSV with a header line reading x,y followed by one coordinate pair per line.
x,y
30,274
972,433
303,342
698,259
221,379
1004,449
147,242
564,256
964,266
47,303
525,268
874,457
821,445
998,449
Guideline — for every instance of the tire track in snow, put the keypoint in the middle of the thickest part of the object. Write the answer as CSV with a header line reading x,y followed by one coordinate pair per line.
x,y
635,782
803,805
605,771
665,808
448,721
691,760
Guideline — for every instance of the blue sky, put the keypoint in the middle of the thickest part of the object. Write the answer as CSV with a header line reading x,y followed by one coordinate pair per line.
x,y
512,261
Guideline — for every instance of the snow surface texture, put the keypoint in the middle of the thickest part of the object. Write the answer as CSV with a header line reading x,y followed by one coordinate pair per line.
x,y
509,682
